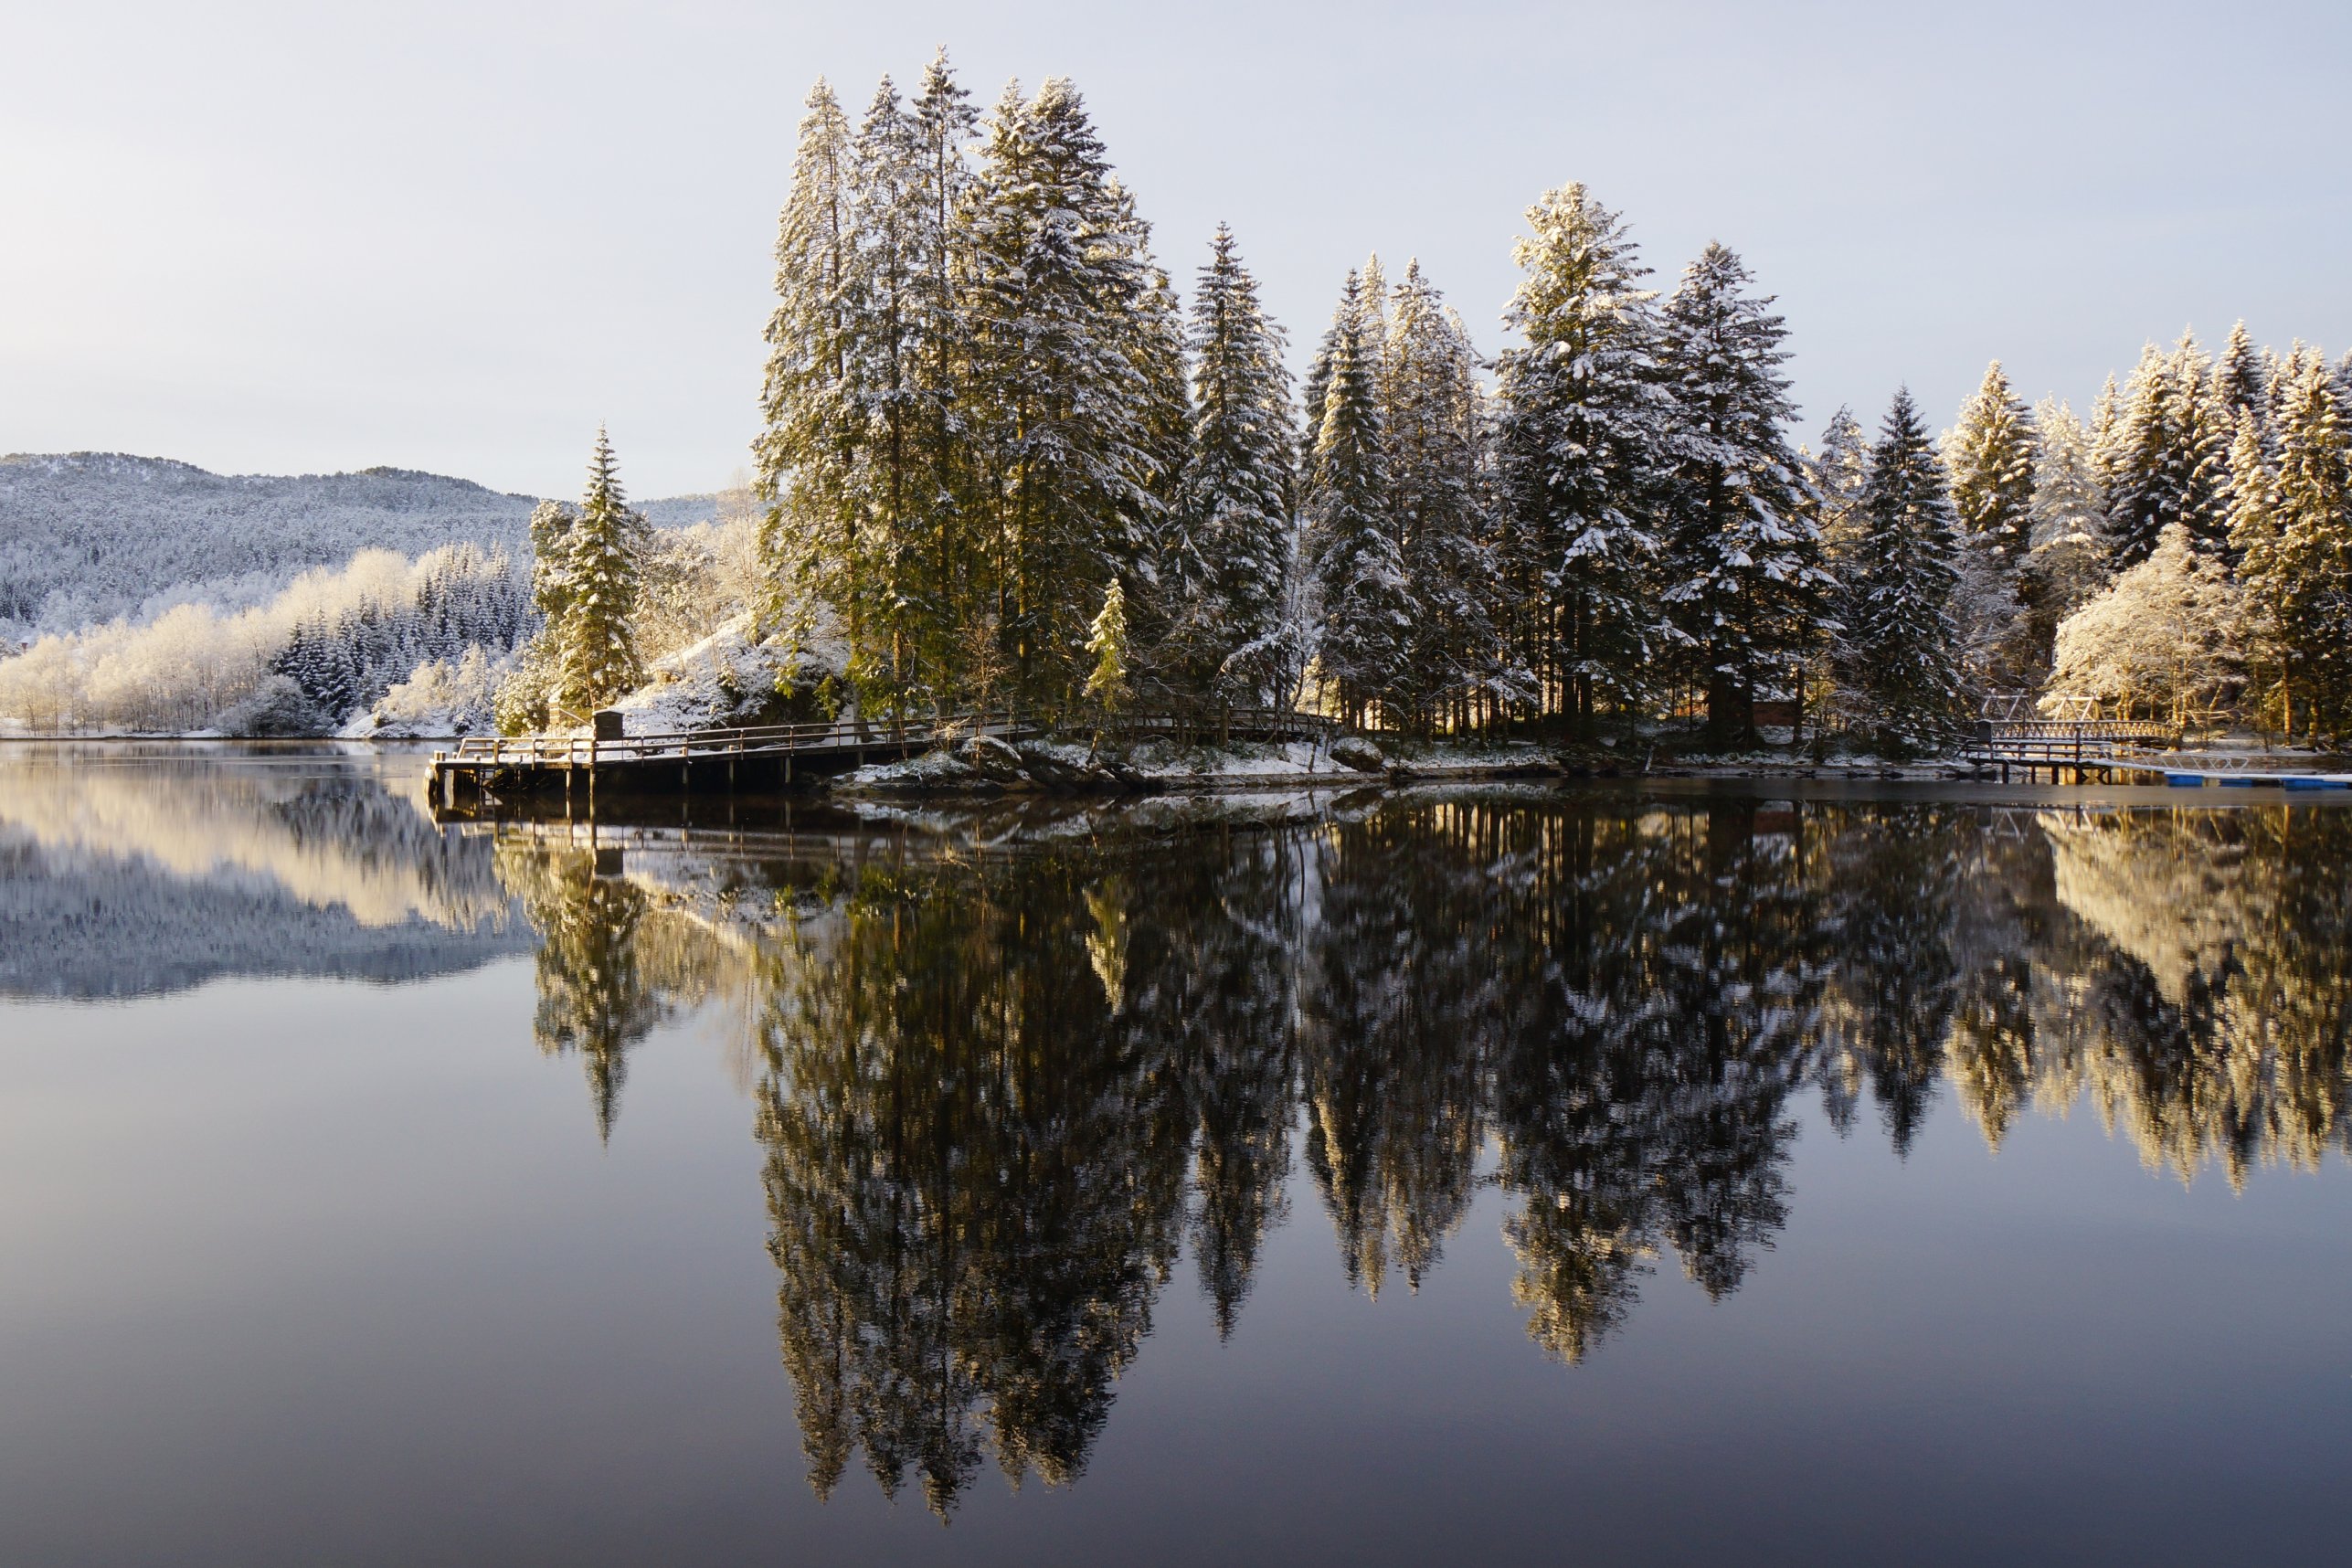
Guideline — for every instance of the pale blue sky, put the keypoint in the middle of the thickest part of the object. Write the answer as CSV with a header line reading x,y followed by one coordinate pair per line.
x,y
455,237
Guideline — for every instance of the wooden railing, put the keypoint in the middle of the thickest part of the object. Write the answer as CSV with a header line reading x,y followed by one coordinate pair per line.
x,y
860,735
2063,741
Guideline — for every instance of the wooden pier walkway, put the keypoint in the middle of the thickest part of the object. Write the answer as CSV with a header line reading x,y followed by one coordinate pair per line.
x,y
766,759
2012,733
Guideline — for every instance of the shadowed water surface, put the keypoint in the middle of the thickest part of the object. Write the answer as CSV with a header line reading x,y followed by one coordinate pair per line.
x,y
1771,1173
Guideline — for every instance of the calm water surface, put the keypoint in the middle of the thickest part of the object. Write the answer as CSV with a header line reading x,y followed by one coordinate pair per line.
x,y
1512,1175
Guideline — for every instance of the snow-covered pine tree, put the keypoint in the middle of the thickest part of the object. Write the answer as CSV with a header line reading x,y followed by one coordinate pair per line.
x,y
809,546
944,121
1744,576
1152,342
2171,463
1989,455
1433,424
1066,440
1225,558
1359,582
2069,562
1902,672
597,653
1835,475
1107,639
2241,380
2263,588
894,509
1583,417
2309,580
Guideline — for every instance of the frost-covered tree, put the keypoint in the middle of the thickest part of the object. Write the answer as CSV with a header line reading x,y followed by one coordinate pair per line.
x,y
2263,587
1743,577
2069,560
2241,386
1363,614
2303,576
2171,461
1584,420
1228,549
1990,455
2157,641
808,440
1901,676
1433,421
1064,405
596,651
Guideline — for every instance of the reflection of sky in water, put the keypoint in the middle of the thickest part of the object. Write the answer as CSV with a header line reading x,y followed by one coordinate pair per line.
x,y
295,1265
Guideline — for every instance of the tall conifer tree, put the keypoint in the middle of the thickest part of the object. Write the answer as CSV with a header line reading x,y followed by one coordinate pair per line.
x,y
808,542
1583,420
597,653
1745,581
1360,579
1432,419
1895,599
1228,553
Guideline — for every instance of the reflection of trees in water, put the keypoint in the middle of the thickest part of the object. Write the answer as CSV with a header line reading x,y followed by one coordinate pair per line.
x,y
998,1093
594,998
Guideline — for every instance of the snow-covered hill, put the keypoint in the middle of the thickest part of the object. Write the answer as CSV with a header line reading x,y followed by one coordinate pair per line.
x,y
88,536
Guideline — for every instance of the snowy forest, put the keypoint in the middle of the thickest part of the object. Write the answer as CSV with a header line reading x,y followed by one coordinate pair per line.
x,y
1004,460
1002,456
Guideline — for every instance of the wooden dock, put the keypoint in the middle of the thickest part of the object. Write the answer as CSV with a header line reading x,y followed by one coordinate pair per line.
x,y
541,770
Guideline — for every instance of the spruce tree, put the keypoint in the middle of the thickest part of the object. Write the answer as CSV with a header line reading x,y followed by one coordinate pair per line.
x,y
944,121
2070,558
2309,580
1745,580
1584,420
2241,381
2264,587
597,650
1433,424
1065,410
893,509
809,543
2171,454
1224,559
1900,639
1359,576
1990,456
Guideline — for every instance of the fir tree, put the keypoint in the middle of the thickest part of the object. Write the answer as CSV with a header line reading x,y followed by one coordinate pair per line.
x,y
1895,598
1225,559
1359,576
1744,575
596,648
1583,417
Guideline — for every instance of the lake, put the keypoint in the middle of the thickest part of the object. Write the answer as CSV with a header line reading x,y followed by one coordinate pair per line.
x,y
1773,1173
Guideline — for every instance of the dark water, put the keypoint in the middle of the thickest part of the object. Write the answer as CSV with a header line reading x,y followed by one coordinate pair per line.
x,y
1500,1175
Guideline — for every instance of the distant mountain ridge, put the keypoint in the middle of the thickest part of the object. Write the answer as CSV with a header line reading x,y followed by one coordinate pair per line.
x,y
88,536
